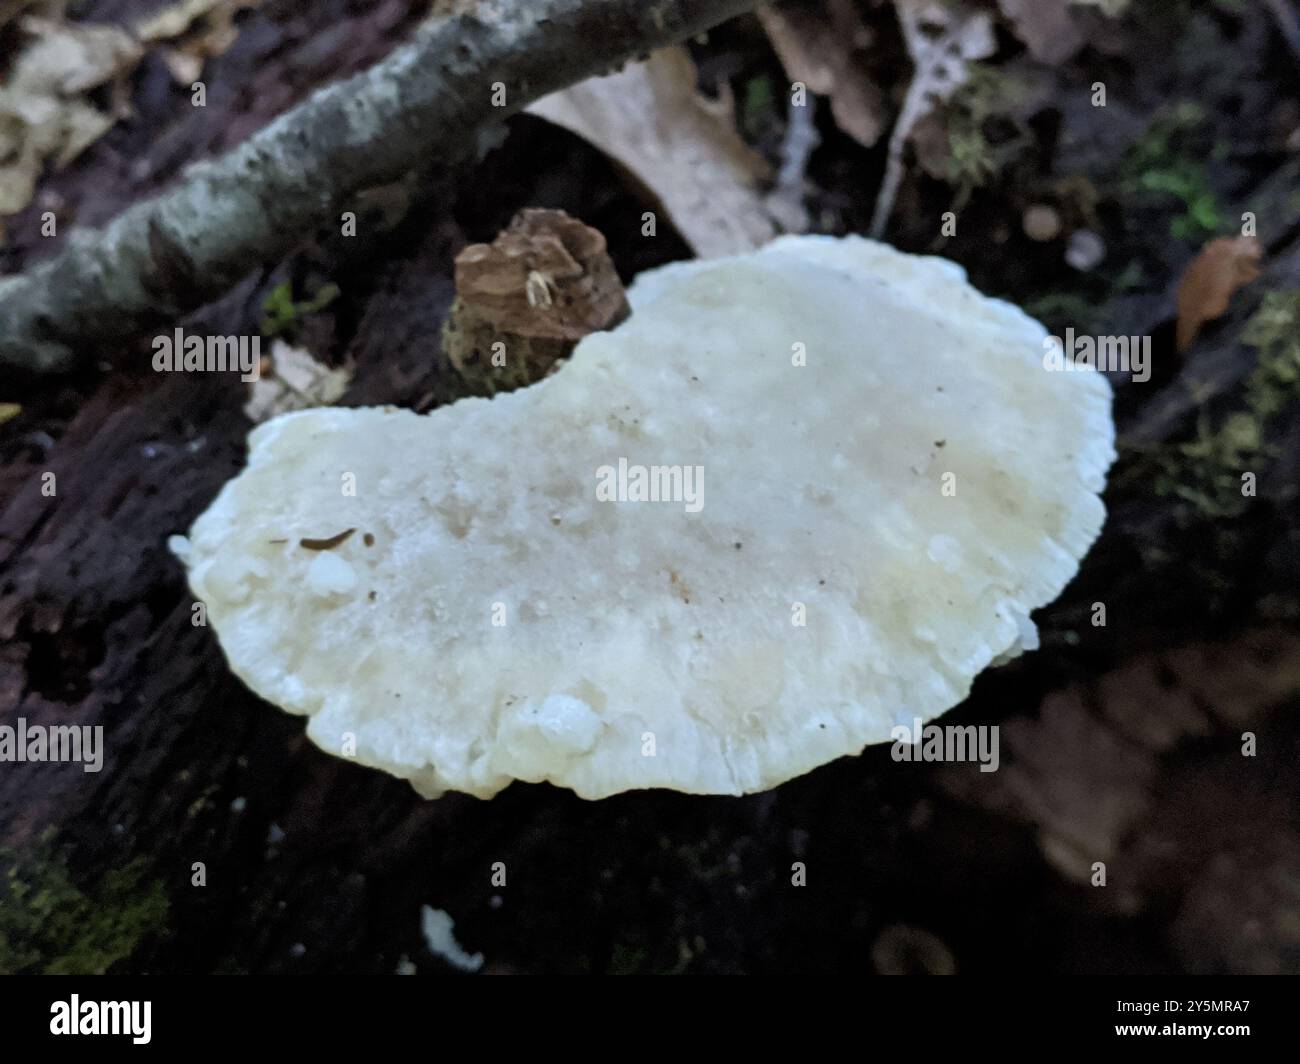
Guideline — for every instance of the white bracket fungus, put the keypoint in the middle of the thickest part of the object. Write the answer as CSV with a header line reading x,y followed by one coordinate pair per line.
x,y
884,508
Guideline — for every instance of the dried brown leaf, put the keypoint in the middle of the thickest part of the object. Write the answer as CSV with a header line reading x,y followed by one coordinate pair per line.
x,y
198,30
825,49
1047,27
294,381
650,117
67,59
1208,283
11,9
44,117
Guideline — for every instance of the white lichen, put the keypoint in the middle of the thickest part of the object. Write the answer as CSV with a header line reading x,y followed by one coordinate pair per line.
x,y
437,927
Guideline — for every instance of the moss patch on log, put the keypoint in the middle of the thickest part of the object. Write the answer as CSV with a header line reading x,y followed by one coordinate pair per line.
x,y
51,926
1209,471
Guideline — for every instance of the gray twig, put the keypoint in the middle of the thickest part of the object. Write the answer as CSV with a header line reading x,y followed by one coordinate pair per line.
x,y
168,255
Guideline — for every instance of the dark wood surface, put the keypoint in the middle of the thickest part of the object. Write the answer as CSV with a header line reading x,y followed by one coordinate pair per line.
x,y
1120,744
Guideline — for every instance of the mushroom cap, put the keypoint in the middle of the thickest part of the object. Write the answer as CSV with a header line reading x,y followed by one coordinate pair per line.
x,y
892,480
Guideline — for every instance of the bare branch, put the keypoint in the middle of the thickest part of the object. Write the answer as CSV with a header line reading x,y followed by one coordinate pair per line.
x,y
165,256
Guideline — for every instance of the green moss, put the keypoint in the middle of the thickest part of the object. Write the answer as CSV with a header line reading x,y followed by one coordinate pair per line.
x,y
281,314
1186,183
1275,332
1207,471
974,158
469,339
50,926
1165,168
1054,307
628,960
758,110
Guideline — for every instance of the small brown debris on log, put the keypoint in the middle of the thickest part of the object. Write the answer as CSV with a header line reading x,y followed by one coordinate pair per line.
x,y
542,285
329,543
